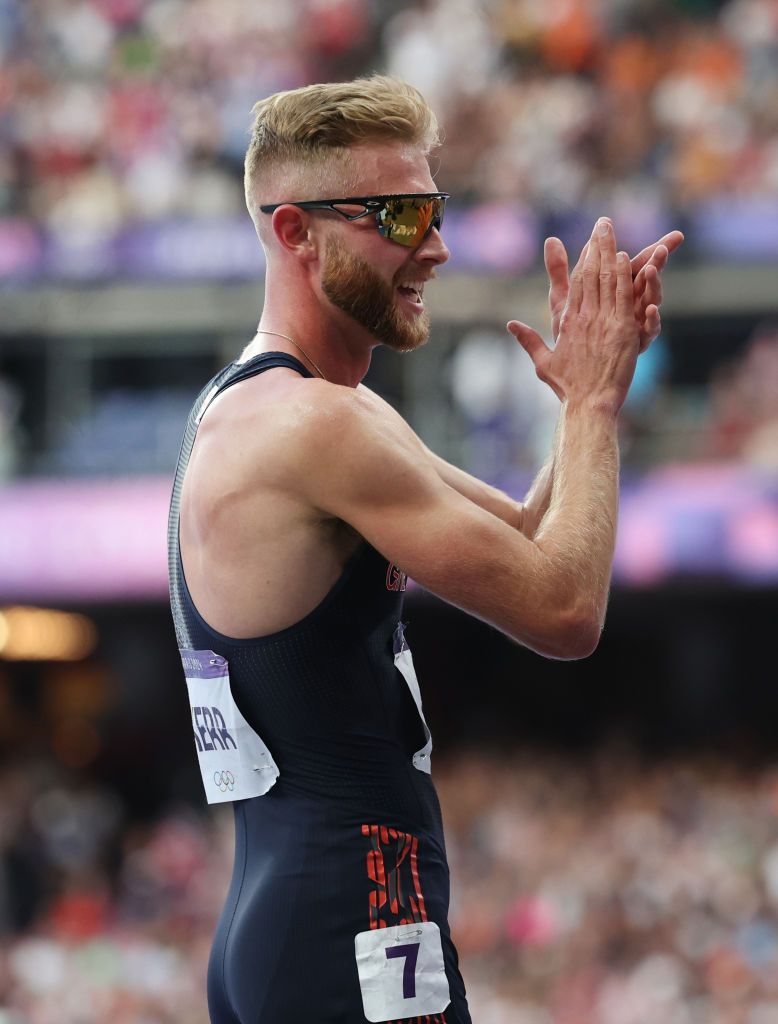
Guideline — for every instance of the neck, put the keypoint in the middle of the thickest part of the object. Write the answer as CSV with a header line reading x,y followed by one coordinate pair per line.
x,y
329,338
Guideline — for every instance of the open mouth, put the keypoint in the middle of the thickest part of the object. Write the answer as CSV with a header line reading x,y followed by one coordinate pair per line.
x,y
413,294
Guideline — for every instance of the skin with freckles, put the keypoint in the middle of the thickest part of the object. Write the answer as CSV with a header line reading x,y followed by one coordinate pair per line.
x,y
289,475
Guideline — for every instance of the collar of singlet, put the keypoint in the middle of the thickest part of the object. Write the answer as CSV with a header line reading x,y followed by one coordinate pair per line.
x,y
267,361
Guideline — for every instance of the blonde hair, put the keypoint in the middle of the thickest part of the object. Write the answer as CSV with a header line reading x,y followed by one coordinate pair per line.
x,y
298,135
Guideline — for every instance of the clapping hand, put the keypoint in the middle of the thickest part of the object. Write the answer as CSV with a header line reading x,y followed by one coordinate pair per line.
x,y
603,315
647,269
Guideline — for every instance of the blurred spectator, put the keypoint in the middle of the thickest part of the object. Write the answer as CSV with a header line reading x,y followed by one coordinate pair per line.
x,y
744,404
103,918
509,415
506,416
113,112
599,889
615,893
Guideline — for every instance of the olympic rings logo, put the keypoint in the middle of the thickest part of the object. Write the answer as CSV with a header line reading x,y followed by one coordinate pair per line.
x,y
224,780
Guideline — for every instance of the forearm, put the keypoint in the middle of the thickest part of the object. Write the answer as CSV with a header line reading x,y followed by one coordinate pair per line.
x,y
570,522
486,497
524,516
578,529
538,498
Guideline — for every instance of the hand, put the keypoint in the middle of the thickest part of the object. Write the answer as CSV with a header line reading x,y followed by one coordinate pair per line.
x,y
598,335
646,268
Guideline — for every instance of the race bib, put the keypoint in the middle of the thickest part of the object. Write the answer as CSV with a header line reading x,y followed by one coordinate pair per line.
x,y
234,762
403,661
401,971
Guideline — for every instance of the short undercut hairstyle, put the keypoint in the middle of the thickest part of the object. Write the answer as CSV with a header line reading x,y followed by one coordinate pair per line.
x,y
299,136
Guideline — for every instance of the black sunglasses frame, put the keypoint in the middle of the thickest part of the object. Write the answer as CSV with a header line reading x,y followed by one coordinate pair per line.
x,y
372,204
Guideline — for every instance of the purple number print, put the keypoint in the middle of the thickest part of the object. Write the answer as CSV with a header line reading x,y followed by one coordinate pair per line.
x,y
411,952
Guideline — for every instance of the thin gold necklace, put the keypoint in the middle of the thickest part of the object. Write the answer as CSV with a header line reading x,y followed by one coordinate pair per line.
x,y
277,334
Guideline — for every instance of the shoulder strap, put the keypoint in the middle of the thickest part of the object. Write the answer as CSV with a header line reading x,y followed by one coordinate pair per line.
x,y
264,361
236,372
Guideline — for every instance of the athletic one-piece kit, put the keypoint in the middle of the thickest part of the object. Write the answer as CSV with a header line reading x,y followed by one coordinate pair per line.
x,y
337,908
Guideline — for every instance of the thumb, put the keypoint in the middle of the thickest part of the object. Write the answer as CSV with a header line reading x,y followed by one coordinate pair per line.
x,y
529,339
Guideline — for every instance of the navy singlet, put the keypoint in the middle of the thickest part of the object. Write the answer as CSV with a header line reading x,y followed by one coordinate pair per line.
x,y
350,837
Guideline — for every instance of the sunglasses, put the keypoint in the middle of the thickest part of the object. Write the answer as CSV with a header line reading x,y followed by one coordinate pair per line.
x,y
404,219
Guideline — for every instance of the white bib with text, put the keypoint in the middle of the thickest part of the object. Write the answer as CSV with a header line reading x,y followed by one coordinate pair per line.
x,y
234,762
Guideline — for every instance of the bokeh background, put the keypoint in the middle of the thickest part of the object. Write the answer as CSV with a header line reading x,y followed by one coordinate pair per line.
x,y
612,824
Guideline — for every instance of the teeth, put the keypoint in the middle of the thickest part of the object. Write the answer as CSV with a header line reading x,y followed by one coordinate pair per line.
x,y
415,286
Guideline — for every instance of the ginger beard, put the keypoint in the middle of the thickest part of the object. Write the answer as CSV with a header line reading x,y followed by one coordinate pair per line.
x,y
351,284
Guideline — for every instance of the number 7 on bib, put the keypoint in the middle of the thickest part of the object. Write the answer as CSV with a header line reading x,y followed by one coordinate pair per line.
x,y
401,971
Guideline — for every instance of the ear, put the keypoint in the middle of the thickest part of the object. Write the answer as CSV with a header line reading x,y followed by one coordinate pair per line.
x,y
292,229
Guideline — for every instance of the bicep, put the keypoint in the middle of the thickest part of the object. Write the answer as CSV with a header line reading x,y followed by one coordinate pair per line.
x,y
486,497
373,475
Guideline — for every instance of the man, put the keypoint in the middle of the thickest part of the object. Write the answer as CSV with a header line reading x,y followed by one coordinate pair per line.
x,y
302,501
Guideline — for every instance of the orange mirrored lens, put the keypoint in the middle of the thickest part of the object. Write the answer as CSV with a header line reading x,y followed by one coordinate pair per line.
x,y
407,221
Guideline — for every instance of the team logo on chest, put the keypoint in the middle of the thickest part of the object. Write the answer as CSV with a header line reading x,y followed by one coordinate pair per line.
x,y
396,579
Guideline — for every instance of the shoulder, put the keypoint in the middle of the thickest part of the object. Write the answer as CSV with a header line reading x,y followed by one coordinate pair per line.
x,y
286,404
322,414
295,430
348,430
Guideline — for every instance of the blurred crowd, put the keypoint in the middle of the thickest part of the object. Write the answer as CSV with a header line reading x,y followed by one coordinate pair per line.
x,y
589,890
104,917
744,404
120,114
503,414
119,111
612,892
507,419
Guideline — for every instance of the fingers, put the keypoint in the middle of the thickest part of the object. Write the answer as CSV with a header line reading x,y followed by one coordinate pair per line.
x,y
607,241
540,354
598,260
582,257
530,340
624,300
589,275
649,291
577,271
671,241
555,259
652,269
652,325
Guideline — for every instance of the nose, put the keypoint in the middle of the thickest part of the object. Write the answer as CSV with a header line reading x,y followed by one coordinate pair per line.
x,y
433,249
